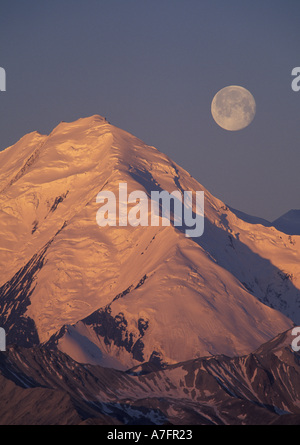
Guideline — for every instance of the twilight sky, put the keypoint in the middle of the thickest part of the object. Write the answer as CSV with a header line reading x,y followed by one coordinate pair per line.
x,y
152,67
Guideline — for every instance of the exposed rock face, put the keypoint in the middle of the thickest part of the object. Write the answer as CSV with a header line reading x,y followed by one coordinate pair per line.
x,y
260,388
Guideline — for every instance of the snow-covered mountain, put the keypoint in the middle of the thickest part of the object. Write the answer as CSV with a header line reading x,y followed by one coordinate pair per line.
x,y
119,296
249,218
289,223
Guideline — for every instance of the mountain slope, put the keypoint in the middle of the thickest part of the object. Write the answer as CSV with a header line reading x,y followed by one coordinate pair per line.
x,y
118,296
289,223
259,388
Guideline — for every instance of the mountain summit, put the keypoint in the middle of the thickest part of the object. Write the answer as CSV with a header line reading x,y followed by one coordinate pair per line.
x,y
289,223
119,296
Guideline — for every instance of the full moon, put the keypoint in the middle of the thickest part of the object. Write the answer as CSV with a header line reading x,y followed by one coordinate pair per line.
x,y
233,108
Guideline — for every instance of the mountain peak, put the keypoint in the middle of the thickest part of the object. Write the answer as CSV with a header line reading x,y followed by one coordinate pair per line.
x,y
86,120
289,223
130,293
80,124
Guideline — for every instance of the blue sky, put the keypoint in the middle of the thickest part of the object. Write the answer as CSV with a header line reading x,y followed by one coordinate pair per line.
x,y
152,68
